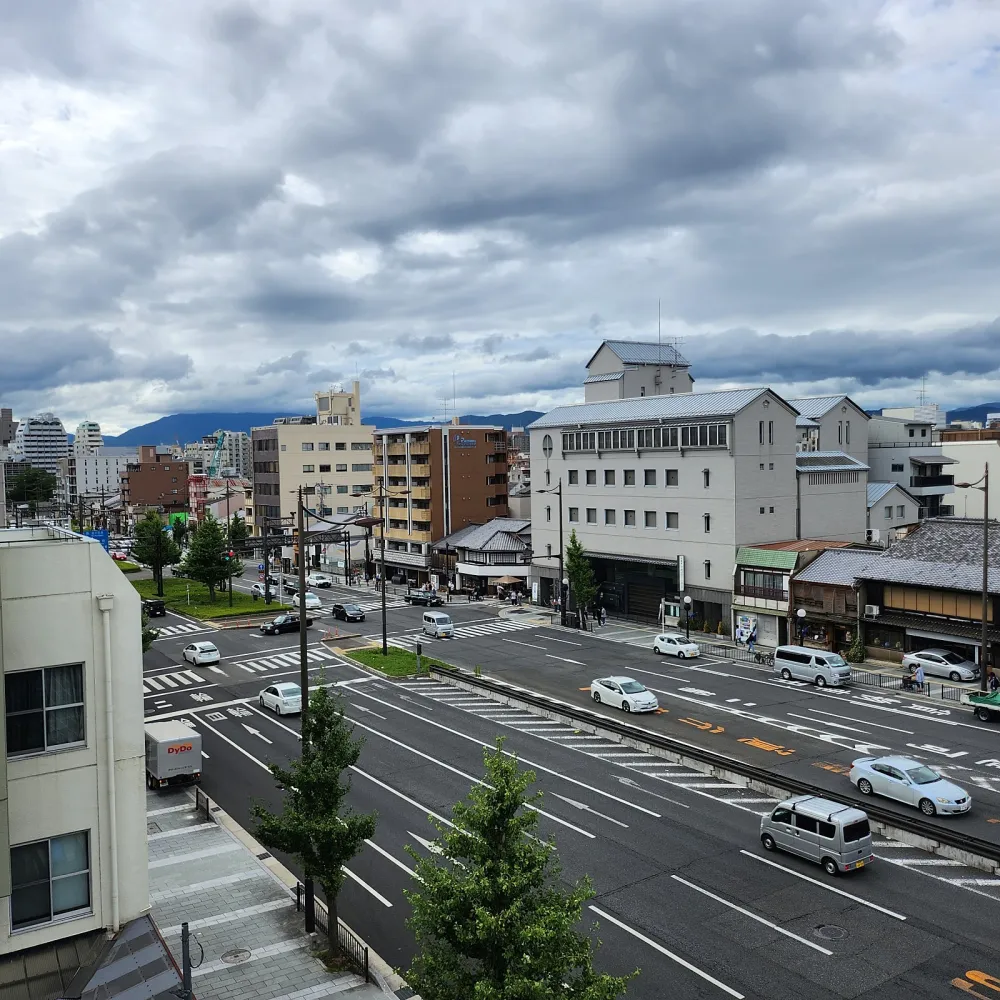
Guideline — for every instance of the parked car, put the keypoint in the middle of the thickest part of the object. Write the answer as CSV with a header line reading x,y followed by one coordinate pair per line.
x,y
154,607
348,613
119,556
428,598
283,623
675,644
282,699
201,652
909,781
312,602
624,693
319,580
291,585
942,663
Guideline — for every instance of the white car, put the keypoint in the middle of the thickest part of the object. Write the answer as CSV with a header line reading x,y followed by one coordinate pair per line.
x,y
675,644
313,603
624,693
942,663
202,652
319,580
282,699
909,781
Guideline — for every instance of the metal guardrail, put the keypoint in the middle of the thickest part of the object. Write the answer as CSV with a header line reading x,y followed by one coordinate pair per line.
x,y
945,837
354,951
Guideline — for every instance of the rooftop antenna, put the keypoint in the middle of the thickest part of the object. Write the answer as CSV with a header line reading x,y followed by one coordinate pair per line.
x,y
922,394
659,342
454,395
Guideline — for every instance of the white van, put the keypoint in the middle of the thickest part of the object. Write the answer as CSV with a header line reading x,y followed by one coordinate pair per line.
x,y
438,624
815,665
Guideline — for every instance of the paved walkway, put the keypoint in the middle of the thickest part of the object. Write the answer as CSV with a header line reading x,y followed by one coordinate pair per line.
x,y
238,910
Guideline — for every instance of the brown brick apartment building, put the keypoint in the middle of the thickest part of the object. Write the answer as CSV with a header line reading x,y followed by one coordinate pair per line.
x,y
156,480
437,479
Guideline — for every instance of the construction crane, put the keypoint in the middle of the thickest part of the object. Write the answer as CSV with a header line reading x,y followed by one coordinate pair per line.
x,y
213,467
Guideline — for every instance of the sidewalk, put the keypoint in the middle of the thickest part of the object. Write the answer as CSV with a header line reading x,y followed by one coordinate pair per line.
x,y
238,906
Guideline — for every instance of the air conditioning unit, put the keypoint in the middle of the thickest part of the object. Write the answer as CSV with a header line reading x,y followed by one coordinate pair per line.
x,y
872,536
872,610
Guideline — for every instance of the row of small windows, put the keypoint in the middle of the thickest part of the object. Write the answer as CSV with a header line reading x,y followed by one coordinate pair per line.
x,y
341,467
338,446
649,477
650,518
632,438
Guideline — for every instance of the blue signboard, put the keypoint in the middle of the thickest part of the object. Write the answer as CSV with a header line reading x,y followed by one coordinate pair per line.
x,y
102,535
458,441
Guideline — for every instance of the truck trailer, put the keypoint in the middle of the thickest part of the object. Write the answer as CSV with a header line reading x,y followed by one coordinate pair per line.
x,y
173,754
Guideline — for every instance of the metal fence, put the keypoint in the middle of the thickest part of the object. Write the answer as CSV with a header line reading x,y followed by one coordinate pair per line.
x,y
354,951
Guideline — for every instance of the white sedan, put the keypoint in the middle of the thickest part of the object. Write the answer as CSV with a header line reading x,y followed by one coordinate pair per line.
x,y
313,603
909,781
942,663
675,644
319,580
201,652
624,693
282,699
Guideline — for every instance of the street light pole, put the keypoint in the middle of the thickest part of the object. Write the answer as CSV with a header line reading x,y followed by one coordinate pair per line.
x,y
303,638
687,616
563,585
984,657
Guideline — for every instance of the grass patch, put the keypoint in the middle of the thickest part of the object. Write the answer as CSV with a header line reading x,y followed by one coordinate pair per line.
x,y
396,663
128,567
175,595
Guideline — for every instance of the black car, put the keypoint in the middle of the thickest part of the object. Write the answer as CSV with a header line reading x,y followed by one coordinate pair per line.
x,y
291,585
154,608
283,623
348,613
428,598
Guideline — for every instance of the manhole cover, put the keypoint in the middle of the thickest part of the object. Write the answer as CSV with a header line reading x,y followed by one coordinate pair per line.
x,y
235,956
152,828
831,932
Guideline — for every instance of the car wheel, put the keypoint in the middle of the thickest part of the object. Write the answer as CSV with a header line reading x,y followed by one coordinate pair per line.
x,y
626,707
865,787
927,807
983,714
954,676
768,841
657,650
820,681
277,709
830,866
786,674
596,697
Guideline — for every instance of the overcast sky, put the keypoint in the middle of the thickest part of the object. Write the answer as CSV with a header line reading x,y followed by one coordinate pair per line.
x,y
225,207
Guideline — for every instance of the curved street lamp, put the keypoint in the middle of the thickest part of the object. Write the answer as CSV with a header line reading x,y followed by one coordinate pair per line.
x,y
687,614
801,615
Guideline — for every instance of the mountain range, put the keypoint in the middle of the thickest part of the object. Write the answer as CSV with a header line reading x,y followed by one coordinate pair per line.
x,y
182,428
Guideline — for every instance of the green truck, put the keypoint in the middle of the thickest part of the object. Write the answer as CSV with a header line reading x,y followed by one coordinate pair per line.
x,y
984,706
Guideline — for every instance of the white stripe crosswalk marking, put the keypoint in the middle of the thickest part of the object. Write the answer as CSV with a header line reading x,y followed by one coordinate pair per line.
x,y
152,683
288,659
197,678
168,681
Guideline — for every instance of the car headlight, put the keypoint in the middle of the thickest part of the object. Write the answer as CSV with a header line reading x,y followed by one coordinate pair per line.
x,y
948,802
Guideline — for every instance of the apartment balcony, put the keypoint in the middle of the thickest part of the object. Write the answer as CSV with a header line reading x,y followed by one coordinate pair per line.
x,y
419,457
927,482
762,598
396,449
942,510
765,593
420,471
420,492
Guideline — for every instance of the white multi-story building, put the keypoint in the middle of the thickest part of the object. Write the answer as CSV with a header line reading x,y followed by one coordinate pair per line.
x,y
903,451
88,438
627,369
73,810
832,423
94,475
42,441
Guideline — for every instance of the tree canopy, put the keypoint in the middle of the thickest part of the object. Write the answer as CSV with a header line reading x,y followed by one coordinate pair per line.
x,y
154,547
206,555
580,573
31,486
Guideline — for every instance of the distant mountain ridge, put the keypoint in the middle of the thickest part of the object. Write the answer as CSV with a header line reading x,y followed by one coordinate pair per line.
x,y
183,428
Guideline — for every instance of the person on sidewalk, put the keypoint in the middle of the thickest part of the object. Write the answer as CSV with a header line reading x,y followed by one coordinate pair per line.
x,y
918,678
752,640
604,616
994,684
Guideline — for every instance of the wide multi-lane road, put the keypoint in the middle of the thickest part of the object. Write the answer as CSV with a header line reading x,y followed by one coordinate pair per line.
x,y
684,890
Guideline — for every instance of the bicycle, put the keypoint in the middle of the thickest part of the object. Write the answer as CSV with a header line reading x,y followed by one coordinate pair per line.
x,y
766,658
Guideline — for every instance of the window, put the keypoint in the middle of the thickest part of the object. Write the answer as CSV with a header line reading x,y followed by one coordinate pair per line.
x,y
708,569
649,477
548,513
923,432
888,512
284,447
807,823
574,513
358,446
782,816
341,489
762,510
671,520
324,446
670,477
591,515
341,467
609,516
706,477
911,432
650,518
827,830
629,477
548,478
342,510
308,468
324,468
361,467
901,511
341,446
307,446
707,518
761,466
44,709
897,466
49,878
173,479
574,477
548,551
609,477
840,432
770,466
855,831
760,431
591,477
630,519
847,432
770,432
357,488
642,390
770,510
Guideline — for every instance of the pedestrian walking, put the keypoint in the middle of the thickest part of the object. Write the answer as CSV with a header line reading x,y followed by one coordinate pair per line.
x,y
752,640
918,678
604,616
994,683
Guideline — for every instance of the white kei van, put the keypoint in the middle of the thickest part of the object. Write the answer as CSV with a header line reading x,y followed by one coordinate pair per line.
x,y
818,666
438,624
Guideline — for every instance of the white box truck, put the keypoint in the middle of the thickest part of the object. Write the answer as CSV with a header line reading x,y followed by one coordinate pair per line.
x,y
173,754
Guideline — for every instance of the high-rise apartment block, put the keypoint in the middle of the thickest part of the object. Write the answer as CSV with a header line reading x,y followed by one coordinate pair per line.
x,y
41,441
88,438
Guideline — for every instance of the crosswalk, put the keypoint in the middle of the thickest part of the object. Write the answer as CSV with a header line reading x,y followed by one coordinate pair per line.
x,y
171,681
166,630
465,632
282,661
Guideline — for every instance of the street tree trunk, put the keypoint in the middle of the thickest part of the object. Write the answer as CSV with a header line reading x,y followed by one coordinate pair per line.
x,y
332,921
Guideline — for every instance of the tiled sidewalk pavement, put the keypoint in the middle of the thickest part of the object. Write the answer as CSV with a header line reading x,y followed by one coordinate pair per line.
x,y
237,909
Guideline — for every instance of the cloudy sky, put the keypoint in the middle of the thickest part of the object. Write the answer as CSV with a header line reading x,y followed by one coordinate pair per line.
x,y
226,206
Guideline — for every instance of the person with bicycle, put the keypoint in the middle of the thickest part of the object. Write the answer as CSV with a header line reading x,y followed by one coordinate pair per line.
x,y
752,641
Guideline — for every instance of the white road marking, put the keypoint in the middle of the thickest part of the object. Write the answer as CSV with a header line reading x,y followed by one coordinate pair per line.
x,y
565,641
835,725
928,862
865,722
564,659
385,854
364,885
530,645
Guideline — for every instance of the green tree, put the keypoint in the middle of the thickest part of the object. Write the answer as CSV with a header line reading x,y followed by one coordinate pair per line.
x,y
32,486
490,918
154,547
580,573
148,634
206,555
179,530
857,652
315,825
238,530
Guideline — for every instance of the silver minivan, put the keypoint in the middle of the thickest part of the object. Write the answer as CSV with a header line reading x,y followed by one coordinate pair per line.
x,y
817,666
832,835
438,624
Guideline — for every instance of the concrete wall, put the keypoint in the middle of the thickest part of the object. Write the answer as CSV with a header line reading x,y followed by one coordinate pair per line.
x,y
641,381
894,499
44,580
834,511
971,458
845,428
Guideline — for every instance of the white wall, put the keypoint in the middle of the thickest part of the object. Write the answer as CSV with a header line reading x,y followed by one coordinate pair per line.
x,y
971,458
835,511
52,581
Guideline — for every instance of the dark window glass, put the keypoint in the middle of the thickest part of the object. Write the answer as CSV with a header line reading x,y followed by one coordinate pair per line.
x,y
781,816
806,823
856,831
827,830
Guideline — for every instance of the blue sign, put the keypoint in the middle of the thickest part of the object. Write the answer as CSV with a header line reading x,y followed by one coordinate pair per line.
x,y
102,535
463,442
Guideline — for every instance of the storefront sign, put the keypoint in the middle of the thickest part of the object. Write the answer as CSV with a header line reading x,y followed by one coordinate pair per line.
x,y
463,442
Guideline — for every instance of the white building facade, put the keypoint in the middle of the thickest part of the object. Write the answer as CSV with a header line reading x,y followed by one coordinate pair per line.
x,y
94,475
72,789
42,441
903,451
88,438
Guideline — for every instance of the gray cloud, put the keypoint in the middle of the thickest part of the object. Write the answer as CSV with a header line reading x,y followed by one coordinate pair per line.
x,y
428,344
295,362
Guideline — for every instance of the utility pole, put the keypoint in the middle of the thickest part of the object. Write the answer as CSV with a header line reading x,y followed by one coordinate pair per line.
x,y
229,542
347,556
383,500
563,594
303,677
984,657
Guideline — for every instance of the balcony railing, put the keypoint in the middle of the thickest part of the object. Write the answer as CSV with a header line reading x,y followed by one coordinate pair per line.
x,y
763,593
917,481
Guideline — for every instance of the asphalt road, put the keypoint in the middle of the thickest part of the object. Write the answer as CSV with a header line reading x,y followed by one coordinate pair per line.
x,y
684,891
